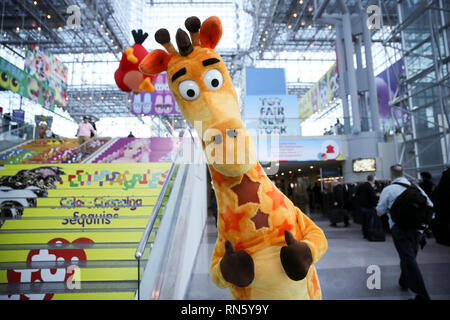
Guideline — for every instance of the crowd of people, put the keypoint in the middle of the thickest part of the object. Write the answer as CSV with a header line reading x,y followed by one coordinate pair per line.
x,y
410,211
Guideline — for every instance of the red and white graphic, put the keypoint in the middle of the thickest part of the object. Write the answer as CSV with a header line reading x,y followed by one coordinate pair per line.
x,y
331,149
58,255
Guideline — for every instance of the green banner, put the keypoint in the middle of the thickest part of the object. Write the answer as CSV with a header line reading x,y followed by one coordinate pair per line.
x,y
28,86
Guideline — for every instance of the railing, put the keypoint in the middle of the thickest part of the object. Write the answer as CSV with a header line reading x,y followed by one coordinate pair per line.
x,y
25,132
150,225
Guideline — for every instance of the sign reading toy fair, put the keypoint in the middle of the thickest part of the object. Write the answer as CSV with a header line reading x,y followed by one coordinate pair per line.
x,y
158,102
302,149
272,114
48,70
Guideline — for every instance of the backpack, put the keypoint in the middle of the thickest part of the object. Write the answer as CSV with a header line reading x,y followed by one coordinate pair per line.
x,y
410,210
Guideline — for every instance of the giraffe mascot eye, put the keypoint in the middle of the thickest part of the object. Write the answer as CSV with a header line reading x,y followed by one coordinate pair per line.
x,y
213,79
189,89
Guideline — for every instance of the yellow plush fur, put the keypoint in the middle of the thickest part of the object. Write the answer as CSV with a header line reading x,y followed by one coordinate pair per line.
x,y
215,112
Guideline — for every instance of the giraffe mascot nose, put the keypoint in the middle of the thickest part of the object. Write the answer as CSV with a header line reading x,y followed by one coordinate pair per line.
x,y
266,247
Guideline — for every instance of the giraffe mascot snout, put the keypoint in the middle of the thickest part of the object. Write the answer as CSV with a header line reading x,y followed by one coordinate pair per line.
x,y
266,247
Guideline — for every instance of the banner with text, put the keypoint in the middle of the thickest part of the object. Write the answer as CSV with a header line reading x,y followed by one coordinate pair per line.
x,y
300,149
272,114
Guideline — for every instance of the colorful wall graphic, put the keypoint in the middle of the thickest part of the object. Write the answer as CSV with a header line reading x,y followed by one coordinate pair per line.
x,y
318,98
28,86
130,150
386,92
69,209
49,70
158,102
267,114
50,151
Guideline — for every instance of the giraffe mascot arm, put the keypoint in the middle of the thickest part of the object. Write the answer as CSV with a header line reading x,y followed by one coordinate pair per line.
x,y
266,247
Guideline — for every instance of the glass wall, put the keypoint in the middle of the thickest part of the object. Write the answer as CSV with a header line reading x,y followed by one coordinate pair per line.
x,y
425,48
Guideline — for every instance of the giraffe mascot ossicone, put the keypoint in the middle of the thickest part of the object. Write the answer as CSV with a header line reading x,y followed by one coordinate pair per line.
x,y
266,247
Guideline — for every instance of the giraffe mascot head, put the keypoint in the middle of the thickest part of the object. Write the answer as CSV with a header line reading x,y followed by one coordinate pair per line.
x,y
266,247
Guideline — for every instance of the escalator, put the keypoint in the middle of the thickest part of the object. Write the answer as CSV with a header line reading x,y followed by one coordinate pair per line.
x,y
102,231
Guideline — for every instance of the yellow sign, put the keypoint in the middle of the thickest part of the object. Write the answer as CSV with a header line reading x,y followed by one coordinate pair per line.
x,y
78,213
320,96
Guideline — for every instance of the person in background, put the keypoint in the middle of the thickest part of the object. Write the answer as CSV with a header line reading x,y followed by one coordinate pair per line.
x,y
406,241
338,212
131,135
427,184
339,128
93,126
42,128
84,133
317,197
367,201
309,190
441,200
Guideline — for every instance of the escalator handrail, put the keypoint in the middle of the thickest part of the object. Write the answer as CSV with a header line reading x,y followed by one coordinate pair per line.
x,y
148,229
10,132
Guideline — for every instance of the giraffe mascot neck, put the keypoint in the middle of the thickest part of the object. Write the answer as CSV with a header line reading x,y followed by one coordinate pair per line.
x,y
266,247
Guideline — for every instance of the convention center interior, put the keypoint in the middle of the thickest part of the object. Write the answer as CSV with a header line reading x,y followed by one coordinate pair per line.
x,y
224,150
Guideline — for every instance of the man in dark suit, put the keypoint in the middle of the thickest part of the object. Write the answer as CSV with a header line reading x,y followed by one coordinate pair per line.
x,y
338,212
367,200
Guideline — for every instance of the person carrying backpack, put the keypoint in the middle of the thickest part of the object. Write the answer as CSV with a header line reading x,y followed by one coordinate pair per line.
x,y
409,211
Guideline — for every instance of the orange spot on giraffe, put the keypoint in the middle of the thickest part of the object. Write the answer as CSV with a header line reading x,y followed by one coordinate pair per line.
x,y
277,198
259,171
284,226
232,219
217,177
315,283
240,246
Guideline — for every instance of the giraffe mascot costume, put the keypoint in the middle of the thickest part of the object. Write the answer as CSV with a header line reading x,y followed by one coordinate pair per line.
x,y
266,247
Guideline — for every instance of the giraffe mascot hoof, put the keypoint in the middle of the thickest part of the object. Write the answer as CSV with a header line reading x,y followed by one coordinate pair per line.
x,y
237,267
296,257
266,247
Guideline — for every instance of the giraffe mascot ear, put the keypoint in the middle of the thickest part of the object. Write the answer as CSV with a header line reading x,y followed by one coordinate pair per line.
x,y
210,32
155,62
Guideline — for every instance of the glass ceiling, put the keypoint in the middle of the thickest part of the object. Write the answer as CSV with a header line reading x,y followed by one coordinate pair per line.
x,y
241,20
